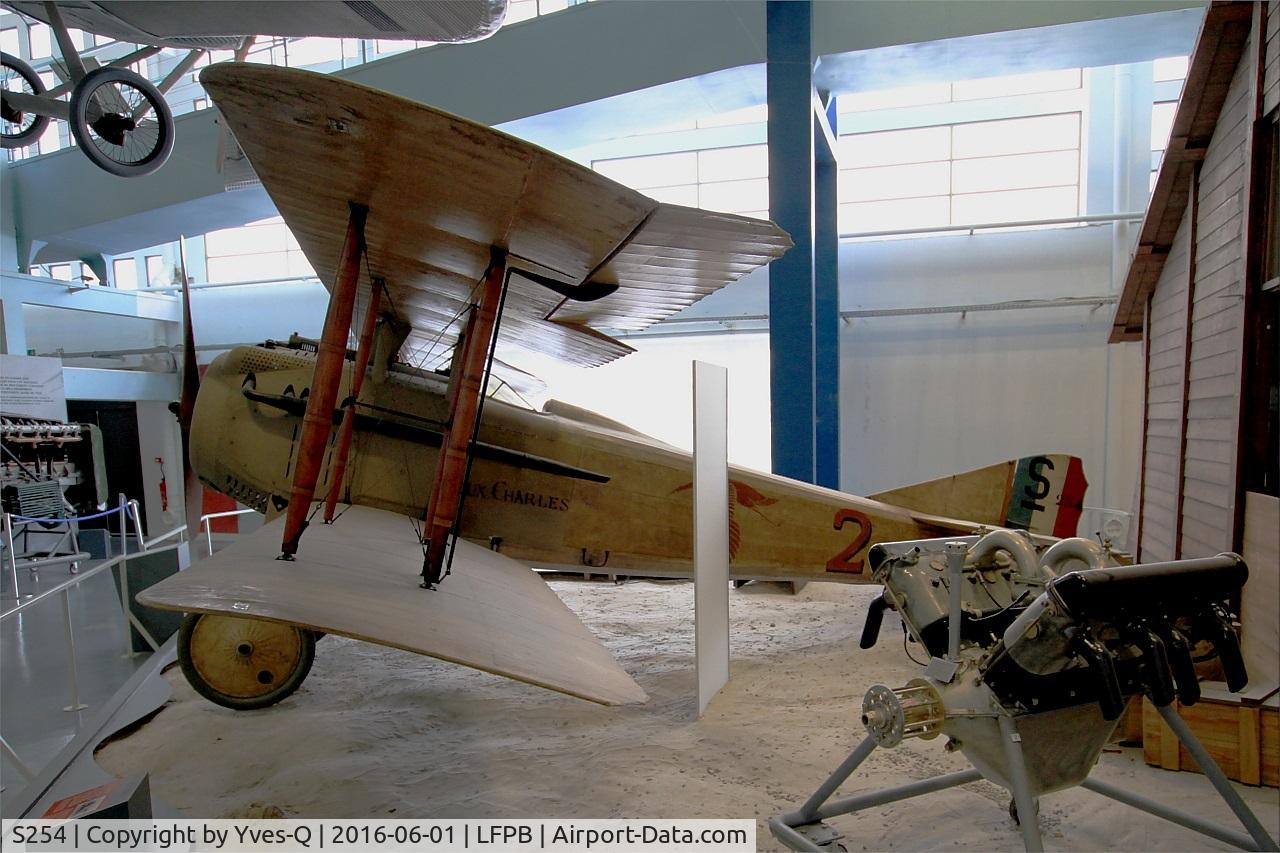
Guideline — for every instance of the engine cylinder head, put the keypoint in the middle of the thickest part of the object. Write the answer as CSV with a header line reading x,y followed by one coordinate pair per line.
x,y
892,716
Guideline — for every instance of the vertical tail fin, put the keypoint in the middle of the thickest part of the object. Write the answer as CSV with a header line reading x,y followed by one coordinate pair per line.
x,y
1047,495
1042,494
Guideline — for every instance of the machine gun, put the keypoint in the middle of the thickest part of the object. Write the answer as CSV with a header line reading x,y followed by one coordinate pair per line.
x,y
1032,659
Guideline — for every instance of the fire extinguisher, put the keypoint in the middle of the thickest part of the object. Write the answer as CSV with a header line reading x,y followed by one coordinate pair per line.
x,y
164,487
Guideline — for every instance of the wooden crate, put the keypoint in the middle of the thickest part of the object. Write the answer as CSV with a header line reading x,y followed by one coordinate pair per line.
x,y
1240,732
1129,730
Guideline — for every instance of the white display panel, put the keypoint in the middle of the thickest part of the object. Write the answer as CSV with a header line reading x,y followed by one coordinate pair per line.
x,y
710,529
31,387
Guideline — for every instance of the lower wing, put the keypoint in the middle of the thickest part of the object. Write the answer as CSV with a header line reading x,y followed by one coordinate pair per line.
x,y
359,578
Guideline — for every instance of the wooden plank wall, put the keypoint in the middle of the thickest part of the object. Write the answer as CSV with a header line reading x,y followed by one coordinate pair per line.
x,y
1261,546
1271,84
1191,464
1258,612
1200,480
1164,402
1217,327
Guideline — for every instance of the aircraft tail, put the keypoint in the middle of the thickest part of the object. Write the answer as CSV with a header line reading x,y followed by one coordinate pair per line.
x,y
1043,494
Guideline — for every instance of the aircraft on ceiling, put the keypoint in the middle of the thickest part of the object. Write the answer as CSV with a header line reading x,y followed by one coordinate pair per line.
x,y
456,245
120,120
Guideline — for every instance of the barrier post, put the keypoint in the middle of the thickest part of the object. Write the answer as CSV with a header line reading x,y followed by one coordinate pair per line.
x,y
76,704
13,561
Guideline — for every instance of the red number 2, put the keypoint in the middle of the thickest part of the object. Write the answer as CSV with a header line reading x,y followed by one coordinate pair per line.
x,y
844,562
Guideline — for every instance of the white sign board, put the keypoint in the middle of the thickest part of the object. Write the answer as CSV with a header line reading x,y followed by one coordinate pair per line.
x,y
31,387
710,529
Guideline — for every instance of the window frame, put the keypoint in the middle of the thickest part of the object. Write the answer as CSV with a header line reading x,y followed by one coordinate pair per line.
x,y
846,207
695,157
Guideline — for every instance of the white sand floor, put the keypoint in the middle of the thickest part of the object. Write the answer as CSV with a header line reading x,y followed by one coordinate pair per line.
x,y
376,732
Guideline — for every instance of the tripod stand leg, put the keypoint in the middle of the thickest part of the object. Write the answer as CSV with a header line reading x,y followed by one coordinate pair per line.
x,y
1028,819
1219,779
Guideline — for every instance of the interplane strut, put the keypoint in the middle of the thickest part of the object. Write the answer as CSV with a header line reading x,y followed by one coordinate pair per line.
x,y
363,351
317,422
465,393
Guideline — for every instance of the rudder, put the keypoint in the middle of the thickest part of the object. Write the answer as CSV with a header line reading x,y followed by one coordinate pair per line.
x,y
1042,493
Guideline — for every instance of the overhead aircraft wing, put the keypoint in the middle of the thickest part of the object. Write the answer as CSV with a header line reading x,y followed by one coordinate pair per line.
x,y
441,190
359,578
224,23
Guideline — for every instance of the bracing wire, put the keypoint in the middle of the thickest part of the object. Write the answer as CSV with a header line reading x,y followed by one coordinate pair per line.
x,y
469,305
431,347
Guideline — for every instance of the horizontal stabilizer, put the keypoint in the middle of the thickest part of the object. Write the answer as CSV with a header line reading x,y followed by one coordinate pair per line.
x,y
359,578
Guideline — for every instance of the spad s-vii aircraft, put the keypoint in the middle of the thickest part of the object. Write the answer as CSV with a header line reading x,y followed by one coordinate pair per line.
x,y
442,235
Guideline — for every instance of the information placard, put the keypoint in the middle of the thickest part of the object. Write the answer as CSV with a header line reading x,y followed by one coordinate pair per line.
x,y
31,387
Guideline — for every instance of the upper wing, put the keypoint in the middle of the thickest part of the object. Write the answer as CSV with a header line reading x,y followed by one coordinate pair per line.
x,y
223,24
358,577
441,190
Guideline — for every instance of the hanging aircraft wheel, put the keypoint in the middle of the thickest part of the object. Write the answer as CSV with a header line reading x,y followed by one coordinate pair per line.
x,y
243,663
19,127
121,122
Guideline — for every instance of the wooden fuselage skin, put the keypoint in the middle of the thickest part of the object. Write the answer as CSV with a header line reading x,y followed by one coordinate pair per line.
x,y
638,522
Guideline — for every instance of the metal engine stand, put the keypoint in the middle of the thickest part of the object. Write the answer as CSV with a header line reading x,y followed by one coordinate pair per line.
x,y
1033,657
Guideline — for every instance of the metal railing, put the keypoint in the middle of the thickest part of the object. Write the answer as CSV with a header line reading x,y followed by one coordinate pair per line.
x,y
129,514
52,555
207,517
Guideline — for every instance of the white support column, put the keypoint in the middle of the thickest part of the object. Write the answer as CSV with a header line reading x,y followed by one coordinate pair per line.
x,y
710,529
159,439
12,327
1121,413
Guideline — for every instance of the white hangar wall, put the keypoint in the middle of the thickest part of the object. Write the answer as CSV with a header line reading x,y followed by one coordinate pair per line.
x,y
926,395
922,396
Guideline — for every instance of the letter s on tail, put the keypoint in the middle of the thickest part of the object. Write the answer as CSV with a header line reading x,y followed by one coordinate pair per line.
x,y
1046,494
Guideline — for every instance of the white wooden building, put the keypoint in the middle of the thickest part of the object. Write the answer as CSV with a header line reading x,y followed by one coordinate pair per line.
x,y
1203,293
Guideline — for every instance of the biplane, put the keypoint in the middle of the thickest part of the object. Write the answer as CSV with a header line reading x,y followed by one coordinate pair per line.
x,y
120,119
407,505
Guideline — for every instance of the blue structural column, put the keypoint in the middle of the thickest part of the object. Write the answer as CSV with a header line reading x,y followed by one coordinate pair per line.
x,y
803,295
826,300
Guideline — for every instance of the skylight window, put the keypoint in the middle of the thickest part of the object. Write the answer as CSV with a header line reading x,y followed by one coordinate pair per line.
x,y
730,180
959,174
1168,75
261,250
972,151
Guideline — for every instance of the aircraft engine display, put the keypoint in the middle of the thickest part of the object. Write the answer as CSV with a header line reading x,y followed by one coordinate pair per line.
x,y
1028,681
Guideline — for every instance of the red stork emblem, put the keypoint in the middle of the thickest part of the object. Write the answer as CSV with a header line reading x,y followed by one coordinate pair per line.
x,y
740,495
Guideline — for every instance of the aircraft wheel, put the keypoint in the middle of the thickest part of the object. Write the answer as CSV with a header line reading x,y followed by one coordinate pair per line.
x,y
243,663
121,122
18,127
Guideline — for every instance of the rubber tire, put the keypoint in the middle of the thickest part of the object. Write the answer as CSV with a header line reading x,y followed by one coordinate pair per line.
x,y
38,127
81,97
235,703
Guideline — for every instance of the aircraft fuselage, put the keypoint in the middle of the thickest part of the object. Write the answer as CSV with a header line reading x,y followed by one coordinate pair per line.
x,y
540,497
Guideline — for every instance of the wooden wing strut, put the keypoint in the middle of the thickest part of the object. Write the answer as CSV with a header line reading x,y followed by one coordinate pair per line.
x,y
464,409
363,351
317,423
